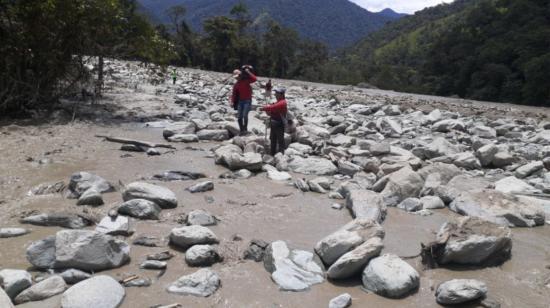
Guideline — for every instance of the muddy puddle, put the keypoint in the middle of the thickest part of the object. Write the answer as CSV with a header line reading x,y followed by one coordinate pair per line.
x,y
253,208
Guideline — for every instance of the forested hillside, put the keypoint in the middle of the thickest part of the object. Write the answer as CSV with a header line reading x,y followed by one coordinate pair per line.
x,y
496,50
336,23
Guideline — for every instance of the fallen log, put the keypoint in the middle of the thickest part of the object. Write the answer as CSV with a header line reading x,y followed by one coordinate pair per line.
x,y
138,143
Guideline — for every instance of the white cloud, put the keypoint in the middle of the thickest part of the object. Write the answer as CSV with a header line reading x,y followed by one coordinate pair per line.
x,y
401,6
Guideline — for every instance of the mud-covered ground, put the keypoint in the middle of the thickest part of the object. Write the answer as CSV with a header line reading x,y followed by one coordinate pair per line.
x,y
51,149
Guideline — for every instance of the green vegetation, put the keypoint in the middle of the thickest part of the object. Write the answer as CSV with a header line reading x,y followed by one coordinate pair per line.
x,y
495,50
45,45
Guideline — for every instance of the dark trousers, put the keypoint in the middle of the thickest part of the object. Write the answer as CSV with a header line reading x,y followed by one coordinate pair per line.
x,y
277,137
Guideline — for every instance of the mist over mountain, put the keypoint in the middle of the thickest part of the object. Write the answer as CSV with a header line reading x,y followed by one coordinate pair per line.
x,y
337,23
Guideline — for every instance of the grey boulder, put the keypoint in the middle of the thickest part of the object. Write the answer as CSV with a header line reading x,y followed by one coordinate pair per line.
x,y
498,208
46,288
202,255
83,181
458,291
162,196
14,281
201,218
188,236
354,262
202,283
98,291
347,238
389,276
141,209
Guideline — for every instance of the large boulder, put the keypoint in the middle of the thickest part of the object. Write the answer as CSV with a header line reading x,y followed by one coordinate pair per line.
x,y
366,204
249,161
82,181
46,288
458,291
162,196
14,281
498,208
470,240
80,249
98,291
401,185
312,165
347,238
292,270
351,263
188,236
202,283
141,209
389,276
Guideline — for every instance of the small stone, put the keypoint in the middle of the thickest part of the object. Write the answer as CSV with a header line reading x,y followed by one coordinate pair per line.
x,y
72,276
90,197
153,265
147,241
12,232
341,301
255,250
153,152
201,218
460,291
201,187
119,225
139,283
202,255
337,206
410,205
161,256
141,209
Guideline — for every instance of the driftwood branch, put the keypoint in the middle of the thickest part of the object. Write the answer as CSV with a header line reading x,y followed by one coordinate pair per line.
x,y
138,143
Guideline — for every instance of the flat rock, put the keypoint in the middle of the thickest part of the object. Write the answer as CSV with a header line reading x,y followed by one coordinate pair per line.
x,y
353,262
347,238
292,270
186,237
46,288
162,196
176,175
312,165
98,291
14,281
458,291
202,255
141,209
389,276
498,208
513,185
65,220
202,283
12,232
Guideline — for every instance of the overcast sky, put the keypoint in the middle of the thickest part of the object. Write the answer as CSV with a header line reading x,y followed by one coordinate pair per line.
x,y
400,6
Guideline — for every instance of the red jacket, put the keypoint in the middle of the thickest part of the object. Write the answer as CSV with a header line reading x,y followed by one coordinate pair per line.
x,y
277,110
242,90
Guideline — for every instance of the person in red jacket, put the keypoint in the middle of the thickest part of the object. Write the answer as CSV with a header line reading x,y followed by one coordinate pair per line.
x,y
241,97
278,114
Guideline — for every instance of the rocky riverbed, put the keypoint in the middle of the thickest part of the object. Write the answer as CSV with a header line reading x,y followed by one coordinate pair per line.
x,y
147,198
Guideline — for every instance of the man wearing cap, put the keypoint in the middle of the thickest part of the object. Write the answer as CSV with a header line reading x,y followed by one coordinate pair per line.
x,y
278,114
241,97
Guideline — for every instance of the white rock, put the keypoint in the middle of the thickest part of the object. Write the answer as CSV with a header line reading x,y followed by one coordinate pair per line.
x,y
202,283
98,291
458,291
390,276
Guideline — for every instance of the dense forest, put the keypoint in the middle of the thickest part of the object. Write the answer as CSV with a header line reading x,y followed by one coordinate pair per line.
x,y
495,50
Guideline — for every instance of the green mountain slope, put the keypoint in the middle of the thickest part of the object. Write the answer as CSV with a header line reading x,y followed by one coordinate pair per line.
x,y
497,50
337,23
